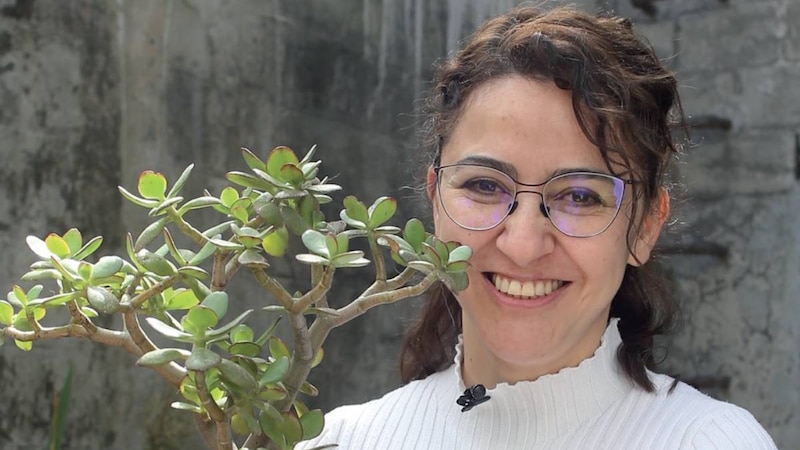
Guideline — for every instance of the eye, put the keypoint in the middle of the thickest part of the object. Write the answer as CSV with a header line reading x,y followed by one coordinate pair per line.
x,y
484,186
575,199
583,197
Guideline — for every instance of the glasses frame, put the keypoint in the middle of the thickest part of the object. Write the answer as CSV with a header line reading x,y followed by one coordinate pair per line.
x,y
543,206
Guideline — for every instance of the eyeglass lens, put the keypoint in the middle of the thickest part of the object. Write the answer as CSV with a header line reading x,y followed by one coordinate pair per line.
x,y
579,204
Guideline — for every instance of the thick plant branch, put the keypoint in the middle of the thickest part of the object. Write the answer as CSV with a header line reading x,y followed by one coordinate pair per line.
x,y
80,318
185,227
317,271
268,283
138,336
377,257
146,294
219,279
219,417
206,429
360,305
394,283
316,293
302,358
172,373
101,335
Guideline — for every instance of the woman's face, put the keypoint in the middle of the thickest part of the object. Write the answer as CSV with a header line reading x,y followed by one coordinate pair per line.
x,y
530,127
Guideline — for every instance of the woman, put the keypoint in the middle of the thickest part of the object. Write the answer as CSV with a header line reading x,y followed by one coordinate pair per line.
x,y
550,140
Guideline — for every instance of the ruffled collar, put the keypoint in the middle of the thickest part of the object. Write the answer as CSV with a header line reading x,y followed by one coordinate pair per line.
x,y
566,398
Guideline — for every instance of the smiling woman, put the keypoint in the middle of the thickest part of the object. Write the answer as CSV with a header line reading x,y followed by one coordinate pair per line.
x,y
550,345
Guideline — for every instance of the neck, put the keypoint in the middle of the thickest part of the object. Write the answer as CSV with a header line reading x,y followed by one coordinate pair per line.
x,y
483,366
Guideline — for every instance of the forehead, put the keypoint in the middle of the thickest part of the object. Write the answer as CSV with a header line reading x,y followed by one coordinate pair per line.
x,y
527,123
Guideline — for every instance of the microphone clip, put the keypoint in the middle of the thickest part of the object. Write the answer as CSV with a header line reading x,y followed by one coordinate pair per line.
x,y
473,396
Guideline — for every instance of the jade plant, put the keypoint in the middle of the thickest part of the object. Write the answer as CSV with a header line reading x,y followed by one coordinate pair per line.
x,y
242,384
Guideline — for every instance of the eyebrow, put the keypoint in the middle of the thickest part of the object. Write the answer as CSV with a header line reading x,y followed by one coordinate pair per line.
x,y
502,166
510,170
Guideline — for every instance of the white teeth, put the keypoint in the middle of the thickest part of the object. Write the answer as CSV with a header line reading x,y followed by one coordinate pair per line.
x,y
525,288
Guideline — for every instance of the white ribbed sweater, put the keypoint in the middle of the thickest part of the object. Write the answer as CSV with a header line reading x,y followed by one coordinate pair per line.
x,y
592,406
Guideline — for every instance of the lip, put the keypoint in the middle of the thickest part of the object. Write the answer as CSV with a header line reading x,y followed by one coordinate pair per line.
x,y
514,302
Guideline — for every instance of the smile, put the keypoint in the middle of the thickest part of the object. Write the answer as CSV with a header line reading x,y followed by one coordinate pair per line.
x,y
525,289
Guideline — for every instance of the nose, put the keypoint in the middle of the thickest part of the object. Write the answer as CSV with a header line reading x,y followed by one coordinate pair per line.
x,y
527,233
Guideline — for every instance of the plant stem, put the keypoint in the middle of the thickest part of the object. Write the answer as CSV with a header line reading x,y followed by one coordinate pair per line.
x,y
317,271
224,441
131,321
185,227
80,318
377,257
268,283
219,278
145,295
316,293
206,429
363,303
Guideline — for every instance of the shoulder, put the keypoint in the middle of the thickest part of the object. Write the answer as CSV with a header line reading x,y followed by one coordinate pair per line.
x,y
355,426
704,422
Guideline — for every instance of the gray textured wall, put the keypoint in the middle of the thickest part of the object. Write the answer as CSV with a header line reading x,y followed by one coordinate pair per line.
x,y
92,92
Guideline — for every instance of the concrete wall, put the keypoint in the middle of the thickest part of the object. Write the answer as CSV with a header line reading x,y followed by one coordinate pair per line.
x,y
736,248
92,92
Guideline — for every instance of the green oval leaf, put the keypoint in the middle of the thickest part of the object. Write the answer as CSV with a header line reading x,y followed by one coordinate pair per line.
x,y
207,250
268,210
229,196
102,300
307,258
74,239
290,427
38,247
162,356
249,349
6,313
240,209
106,266
457,266
422,266
181,181
356,209
252,258
316,242
166,330
152,185
350,259
414,233
381,210
237,375
279,157
460,253
312,423
275,243
202,359
199,319
89,248
278,348
218,302
57,245
183,299
150,232
242,333
155,263
252,160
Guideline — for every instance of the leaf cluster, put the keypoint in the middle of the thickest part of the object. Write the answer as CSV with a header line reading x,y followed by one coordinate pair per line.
x,y
231,377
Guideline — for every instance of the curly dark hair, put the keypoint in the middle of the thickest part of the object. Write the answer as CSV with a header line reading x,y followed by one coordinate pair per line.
x,y
626,103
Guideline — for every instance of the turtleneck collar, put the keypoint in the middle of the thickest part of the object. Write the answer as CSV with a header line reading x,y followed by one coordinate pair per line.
x,y
559,401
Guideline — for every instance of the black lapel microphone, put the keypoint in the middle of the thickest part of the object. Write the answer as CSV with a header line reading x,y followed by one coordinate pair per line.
x,y
473,396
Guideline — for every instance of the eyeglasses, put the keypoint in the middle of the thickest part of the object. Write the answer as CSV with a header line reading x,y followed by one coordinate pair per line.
x,y
578,204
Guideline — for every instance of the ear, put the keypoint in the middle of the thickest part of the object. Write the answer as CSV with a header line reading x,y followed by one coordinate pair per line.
x,y
430,183
650,230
